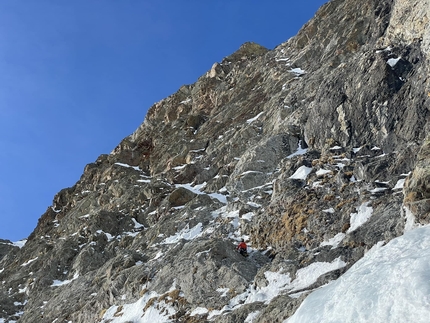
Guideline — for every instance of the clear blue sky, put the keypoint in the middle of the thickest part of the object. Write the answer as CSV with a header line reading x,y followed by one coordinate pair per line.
x,y
76,77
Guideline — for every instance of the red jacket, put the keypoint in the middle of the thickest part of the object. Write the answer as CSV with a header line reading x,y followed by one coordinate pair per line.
x,y
242,245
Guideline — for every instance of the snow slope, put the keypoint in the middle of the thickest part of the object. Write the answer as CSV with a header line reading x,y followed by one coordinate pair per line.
x,y
390,283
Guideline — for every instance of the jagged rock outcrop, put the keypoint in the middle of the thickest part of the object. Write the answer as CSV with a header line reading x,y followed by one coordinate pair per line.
x,y
302,150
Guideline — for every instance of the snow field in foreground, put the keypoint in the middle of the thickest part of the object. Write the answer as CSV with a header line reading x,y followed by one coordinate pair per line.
x,y
390,283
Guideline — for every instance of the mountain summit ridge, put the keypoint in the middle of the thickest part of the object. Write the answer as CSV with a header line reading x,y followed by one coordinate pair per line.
x,y
314,152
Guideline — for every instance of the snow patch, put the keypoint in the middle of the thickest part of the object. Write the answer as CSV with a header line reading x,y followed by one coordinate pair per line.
x,y
322,172
20,243
223,291
158,255
358,219
356,150
300,151
199,311
393,61
185,101
197,189
248,216
297,71
400,183
410,219
137,225
334,242
249,121
282,59
251,317
128,166
186,234
57,283
29,262
330,210
159,311
108,235
378,189
301,173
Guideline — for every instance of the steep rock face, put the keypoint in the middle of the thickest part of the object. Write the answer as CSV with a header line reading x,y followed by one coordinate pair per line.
x,y
417,196
302,150
410,23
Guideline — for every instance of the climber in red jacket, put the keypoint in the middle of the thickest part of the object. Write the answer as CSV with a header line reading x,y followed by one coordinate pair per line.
x,y
242,248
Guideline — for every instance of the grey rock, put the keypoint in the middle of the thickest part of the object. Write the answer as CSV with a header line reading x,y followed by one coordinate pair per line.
x,y
180,196
330,98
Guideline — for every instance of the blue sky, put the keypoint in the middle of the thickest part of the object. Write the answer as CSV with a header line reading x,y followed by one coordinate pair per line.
x,y
76,77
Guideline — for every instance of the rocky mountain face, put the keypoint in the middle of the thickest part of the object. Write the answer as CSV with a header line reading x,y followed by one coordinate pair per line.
x,y
312,152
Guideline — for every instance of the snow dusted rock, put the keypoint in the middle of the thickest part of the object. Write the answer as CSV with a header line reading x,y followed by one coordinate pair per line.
x,y
304,151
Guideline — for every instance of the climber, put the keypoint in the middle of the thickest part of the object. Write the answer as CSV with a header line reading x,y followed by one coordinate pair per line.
x,y
242,248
